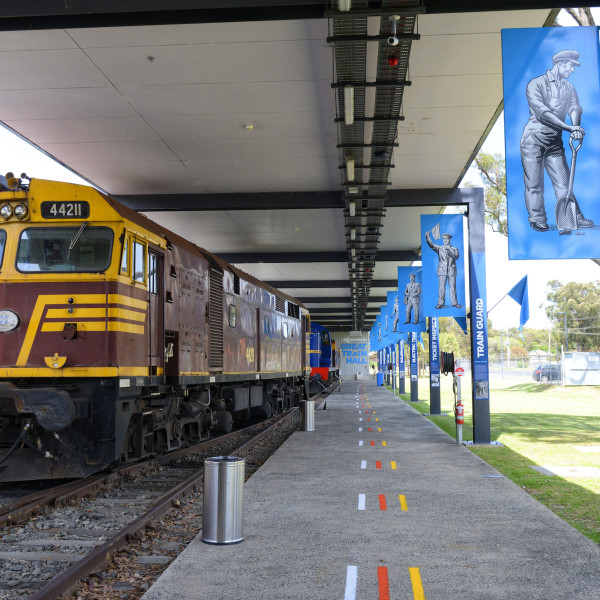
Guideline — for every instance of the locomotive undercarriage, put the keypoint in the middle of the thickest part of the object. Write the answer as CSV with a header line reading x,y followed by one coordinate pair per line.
x,y
58,429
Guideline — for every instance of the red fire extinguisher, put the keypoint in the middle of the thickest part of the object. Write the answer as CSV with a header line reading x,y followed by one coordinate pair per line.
x,y
460,413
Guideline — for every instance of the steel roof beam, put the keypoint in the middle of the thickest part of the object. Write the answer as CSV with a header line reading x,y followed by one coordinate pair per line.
x,y
291,200
316,257
329,283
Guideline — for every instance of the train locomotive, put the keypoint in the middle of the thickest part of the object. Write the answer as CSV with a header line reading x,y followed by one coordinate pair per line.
x,y
120,339
324,358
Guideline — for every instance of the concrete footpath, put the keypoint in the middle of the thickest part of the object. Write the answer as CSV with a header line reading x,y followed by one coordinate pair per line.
x,y
378,503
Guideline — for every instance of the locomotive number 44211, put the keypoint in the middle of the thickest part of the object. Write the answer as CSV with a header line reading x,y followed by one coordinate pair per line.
x,y
65,210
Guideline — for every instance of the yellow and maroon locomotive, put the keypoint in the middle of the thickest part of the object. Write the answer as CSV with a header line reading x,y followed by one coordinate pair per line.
x,y
120,339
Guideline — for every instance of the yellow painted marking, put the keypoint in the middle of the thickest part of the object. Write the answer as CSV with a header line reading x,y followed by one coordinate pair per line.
x,y
377,419
120,313
75,372
403,504
85,326
127,301
80,313
393,463
384,443
415,579
125,327
379,429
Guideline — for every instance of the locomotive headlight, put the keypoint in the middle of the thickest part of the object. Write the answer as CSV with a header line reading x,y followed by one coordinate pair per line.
x,y
20,211
6,211
8,320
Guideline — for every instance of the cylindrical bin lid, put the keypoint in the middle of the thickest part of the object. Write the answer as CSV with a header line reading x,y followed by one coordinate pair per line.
x,y
223,516
307,415
379,378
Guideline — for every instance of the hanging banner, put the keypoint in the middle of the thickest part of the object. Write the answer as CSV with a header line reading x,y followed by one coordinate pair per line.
x,y
443,265
552,137
410,298
393,315
401,358
434,352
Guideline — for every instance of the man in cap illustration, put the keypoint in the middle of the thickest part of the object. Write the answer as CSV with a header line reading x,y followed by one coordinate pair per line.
x,y
412,297
446,271
551,99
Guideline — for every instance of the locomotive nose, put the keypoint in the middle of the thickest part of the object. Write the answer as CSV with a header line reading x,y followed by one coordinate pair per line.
x,y
53,409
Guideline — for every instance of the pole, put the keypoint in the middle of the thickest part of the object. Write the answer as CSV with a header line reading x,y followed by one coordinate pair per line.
x,y
566,335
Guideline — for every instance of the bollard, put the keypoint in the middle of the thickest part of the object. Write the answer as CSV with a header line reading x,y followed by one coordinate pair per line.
x,y
307,415
223,515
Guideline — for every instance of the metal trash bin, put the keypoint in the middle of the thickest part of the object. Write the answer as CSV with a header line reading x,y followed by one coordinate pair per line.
x,y
307,415
223,513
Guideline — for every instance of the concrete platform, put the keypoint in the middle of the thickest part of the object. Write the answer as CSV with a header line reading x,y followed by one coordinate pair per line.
x,y
398,512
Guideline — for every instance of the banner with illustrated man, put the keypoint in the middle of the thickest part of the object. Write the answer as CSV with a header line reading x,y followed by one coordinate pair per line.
x,y
552,136
443,271
410,300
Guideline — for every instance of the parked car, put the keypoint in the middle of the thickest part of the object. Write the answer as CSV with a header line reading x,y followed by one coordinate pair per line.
x,y
547,373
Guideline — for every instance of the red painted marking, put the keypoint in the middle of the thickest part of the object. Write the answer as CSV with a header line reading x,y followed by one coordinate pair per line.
x,y
369,429
378,464
384,586
372,443
382,504
368,418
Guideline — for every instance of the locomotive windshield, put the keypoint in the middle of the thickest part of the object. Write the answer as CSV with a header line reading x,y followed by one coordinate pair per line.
x,y
65,249
325,337
2,243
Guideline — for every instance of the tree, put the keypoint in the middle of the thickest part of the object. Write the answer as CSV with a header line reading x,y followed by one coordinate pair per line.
x,y
580,302
492,169
583,16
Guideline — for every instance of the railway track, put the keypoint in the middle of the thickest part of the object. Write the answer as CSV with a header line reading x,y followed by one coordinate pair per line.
x,y
136,520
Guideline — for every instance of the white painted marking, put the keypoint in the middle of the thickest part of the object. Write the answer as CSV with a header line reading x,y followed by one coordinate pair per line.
x,y
351,578
363,464
360,443
360,418
361,502
360,428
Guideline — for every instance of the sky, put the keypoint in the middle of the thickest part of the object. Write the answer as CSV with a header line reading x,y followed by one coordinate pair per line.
x,y
502,274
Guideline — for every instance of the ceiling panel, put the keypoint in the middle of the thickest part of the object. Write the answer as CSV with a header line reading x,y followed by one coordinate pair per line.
x,y
163,109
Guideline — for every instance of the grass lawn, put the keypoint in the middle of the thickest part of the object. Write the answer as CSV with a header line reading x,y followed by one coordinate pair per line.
x,y
542,425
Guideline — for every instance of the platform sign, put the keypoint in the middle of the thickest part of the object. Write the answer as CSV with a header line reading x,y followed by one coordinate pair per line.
x,y
442,249
459,371
552,137
410,299
414,363
401,358
434,352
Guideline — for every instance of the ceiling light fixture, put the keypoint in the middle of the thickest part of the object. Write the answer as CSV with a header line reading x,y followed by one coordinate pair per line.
x,y
352,233
344,5
349,104
353,251
350,168
352,208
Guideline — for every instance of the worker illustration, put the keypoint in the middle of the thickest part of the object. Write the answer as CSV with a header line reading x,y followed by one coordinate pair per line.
x,y
446,270
551,99
395,314
412,298
379,333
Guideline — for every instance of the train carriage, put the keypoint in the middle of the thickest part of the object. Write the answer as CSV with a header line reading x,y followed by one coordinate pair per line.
x,y
120,339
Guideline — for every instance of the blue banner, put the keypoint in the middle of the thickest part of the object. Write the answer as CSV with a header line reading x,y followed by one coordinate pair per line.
x,y
479,331
410,298
434,352
552,136
442,244
393,315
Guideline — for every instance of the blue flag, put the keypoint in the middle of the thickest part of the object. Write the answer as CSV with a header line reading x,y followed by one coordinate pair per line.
x,y
520,294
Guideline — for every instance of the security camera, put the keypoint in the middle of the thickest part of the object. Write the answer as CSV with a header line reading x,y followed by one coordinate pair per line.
x,y
393,40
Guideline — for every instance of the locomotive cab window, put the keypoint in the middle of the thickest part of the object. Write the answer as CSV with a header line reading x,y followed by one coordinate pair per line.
x,y
2,244
65,249
325,338
153,272
285,330
125,256
139,261
232,315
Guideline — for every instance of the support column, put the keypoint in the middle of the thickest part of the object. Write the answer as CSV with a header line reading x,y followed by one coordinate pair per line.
x,y
479,330
435,403
414,368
